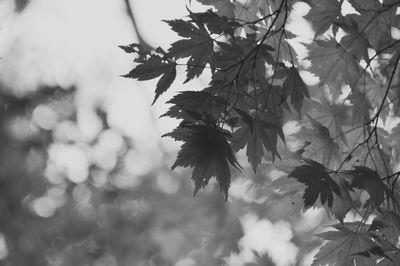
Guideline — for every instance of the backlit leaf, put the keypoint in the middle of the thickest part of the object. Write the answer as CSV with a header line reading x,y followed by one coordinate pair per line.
x,y
342,245
322,14
319,144
377,25
332,116
355,41
332,63
361,108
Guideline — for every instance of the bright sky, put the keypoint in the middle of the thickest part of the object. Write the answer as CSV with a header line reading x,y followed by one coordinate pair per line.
x,y
75,43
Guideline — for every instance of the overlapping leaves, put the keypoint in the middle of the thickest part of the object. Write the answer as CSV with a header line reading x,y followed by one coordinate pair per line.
x,y
255,82
348,247
257,134
207,150
322,14
333,64
296,88
334,190
319,145
255,79
319,183
198,46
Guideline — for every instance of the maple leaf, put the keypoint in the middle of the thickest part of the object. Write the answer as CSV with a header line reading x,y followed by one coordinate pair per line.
x,y
374,91
322,14
319,144
332,63
343,245
296,88
361,107
199,46
152,68
256,133
184,28
374,158
329,115
189,103
134,48
367,179
355,41
318,183
285,50
291,188
207,150
377,22
342,202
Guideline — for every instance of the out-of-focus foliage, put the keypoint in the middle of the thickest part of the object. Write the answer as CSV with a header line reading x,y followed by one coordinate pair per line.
x,y
110,217
57,213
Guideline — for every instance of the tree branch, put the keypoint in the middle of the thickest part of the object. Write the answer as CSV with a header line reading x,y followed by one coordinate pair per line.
x,y
142,41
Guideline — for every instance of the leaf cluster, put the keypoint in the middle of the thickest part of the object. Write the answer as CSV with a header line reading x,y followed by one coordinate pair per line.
x,y
256,85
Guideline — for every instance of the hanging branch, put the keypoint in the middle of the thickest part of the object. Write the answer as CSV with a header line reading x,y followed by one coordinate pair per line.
x,y
141,40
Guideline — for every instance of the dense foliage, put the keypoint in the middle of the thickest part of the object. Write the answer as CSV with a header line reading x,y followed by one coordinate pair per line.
x,y
349,157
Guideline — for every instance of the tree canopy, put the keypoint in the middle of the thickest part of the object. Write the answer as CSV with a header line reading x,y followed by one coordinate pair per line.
x,y
348,157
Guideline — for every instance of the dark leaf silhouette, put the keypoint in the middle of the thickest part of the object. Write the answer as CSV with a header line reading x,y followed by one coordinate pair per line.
x,y
152,68
198,47
367,179
207,150
296,88
188,103
318,183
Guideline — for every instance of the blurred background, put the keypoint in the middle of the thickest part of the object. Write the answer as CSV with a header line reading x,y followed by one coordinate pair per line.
x,y
84,173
